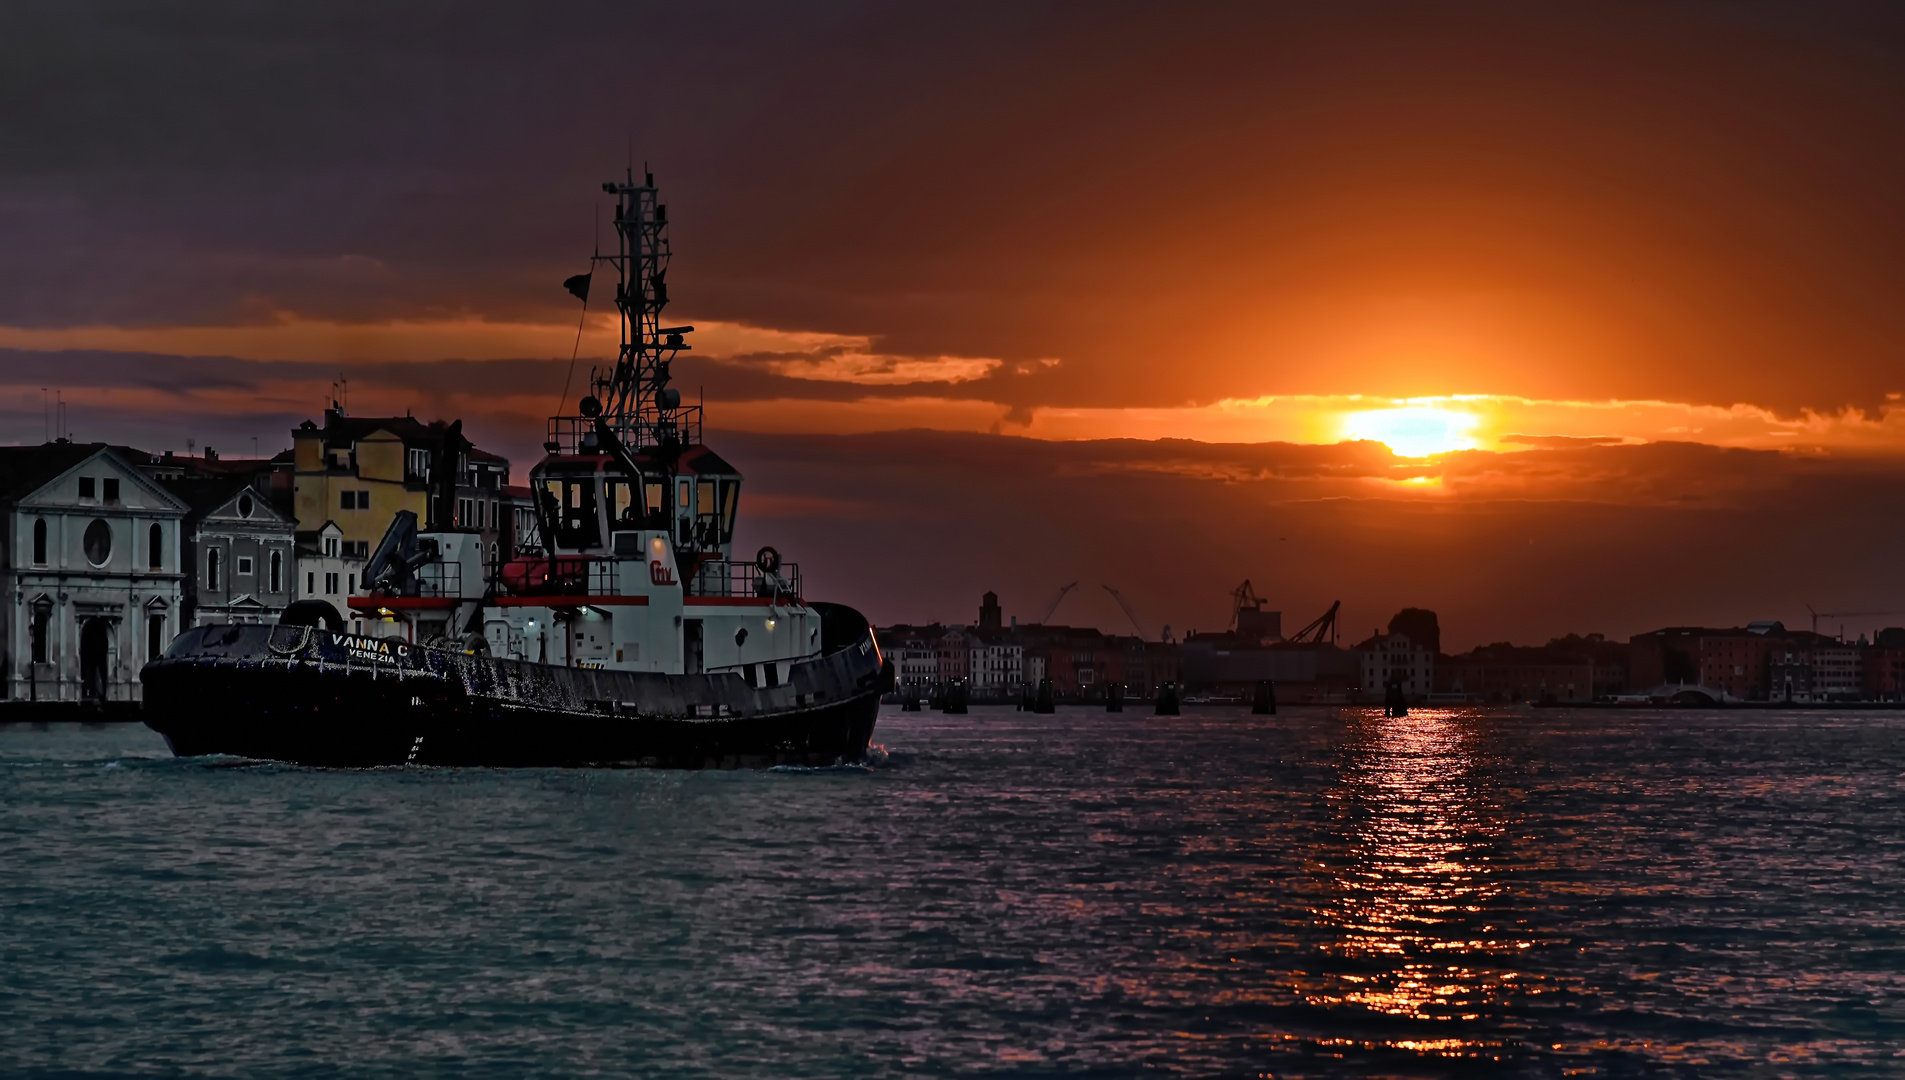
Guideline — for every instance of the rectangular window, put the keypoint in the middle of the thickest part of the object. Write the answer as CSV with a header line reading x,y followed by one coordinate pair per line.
x,y
155,636
112,489
353,582
330,584
244,565
347,500
363,499
310,581
85,487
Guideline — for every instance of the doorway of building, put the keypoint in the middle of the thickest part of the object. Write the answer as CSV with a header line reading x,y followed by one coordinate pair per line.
x,y
95,643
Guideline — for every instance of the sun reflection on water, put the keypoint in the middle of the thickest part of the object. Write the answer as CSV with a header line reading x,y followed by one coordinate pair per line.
x,y
1411,899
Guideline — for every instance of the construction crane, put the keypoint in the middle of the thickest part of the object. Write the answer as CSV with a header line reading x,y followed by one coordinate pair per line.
x,y
1817,615
1244,598
1128,613
1323,627
1056,600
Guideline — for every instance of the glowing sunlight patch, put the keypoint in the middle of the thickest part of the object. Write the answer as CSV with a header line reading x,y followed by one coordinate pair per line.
x,y
1413,431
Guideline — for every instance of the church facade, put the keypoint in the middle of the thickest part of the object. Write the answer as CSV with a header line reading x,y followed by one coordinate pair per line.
x,y
90,572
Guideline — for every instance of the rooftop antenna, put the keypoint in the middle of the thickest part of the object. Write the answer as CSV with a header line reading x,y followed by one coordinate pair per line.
x,y
46,414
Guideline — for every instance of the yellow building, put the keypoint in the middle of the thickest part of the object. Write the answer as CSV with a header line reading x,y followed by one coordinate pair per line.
x,y
360,471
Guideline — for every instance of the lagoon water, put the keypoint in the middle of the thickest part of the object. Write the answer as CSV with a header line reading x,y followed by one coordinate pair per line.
x,y
1326,892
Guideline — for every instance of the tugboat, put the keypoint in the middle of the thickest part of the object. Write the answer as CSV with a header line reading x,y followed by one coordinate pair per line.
x,y
625,633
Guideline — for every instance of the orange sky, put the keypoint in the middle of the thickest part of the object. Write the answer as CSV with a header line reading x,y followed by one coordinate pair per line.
x,y
1477,228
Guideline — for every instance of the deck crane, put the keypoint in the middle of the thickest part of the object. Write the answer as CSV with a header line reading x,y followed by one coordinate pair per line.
x,y
1056,600
1128,613
1316,632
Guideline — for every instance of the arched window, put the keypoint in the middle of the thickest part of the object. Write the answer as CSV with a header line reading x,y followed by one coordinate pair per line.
x,y
41,629
155,544
39,541
277,572
211,569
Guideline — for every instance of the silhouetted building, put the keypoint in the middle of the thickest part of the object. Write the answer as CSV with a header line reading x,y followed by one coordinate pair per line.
x,y
1504,673
991,618
1420,625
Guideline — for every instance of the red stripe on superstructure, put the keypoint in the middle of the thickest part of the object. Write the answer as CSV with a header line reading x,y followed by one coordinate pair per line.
x,y
570,601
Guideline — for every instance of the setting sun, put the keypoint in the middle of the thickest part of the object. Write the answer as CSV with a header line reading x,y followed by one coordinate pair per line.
x,y
1414,431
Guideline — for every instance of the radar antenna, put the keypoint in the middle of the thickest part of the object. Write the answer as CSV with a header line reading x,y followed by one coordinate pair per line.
x,y
633,398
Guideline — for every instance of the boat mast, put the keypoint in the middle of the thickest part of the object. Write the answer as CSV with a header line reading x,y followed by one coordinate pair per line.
x,y
634,397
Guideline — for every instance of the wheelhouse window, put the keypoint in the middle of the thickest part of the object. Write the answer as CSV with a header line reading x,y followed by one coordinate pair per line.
x,y
707,513
621,503
730,500
571,507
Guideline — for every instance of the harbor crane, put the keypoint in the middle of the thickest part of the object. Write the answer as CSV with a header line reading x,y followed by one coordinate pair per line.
x,y
1128,613
1323,628
1244,599
1056,600
1817,615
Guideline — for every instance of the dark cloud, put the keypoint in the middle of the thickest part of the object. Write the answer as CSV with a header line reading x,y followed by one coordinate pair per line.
x,y
1185,202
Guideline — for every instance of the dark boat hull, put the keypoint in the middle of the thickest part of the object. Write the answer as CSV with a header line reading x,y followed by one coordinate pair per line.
x,y
316,697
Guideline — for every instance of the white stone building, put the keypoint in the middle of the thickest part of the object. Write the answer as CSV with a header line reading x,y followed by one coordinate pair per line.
x,y
998,667
326,573
1394,657
90,572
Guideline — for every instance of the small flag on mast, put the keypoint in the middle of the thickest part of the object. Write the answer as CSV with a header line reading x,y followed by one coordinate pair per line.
x,y
579,285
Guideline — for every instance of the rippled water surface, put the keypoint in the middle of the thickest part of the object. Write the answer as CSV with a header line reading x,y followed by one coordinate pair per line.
x,y
1322,893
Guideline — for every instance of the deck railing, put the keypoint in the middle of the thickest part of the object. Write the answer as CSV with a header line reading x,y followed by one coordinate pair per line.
x,y
723,578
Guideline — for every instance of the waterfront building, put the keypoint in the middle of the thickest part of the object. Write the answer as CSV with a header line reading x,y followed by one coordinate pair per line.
x,y
1838,670
1396,657
325,573
240,550
360,471
1513,673
955,654
914,652
998,666
90,571
484,506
